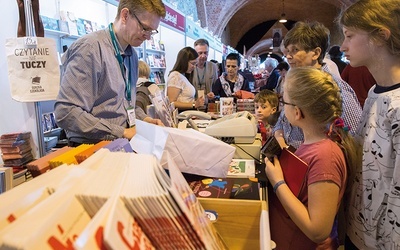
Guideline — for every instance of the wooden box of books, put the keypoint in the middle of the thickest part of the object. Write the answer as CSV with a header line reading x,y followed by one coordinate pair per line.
x,y
238,221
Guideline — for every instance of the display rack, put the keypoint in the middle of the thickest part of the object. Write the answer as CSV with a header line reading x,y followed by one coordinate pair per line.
x,y
154,54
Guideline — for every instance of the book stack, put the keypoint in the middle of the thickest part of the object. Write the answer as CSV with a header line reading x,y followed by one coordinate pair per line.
x,y
42,165
16,153
245,105
113,200
16,149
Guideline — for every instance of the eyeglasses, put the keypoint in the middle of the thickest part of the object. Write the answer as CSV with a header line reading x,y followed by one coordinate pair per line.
x,y
193,63
285,103
147,31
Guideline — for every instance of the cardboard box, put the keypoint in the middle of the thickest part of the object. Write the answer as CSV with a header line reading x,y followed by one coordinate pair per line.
x,y
238,221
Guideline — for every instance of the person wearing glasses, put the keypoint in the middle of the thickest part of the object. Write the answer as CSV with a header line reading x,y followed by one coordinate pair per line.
x,y
206,72
100,70
179,89
307,219
306,45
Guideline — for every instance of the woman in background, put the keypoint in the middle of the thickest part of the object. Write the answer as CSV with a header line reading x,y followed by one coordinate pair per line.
x,y
179,89
231,81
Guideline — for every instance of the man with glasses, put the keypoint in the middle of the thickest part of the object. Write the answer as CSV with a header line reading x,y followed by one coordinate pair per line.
x,y
305,45
205,73
100,70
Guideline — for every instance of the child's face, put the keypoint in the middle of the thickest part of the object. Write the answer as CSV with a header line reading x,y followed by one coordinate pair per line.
x,y
264,110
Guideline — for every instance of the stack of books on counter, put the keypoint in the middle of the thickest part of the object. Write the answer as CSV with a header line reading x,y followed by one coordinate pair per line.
x,y
16,152
245,105
75,155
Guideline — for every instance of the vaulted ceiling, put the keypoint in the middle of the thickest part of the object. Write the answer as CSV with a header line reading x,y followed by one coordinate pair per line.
x,y
249,23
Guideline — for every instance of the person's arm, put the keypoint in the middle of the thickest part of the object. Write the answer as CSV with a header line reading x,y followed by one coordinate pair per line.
x,y
141,115
211,78
278,131
217,88
272,80
316,220
173,93
246,85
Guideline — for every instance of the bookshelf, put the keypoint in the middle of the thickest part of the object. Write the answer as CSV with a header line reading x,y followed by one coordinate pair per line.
x,y
154,55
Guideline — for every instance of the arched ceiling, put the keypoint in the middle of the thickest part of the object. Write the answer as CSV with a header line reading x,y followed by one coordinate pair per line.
x,y
249,23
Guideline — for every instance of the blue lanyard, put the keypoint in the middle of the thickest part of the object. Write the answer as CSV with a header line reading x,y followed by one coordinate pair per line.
x,y
121,64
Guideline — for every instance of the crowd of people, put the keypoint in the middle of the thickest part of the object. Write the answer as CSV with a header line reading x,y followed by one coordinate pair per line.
x,y
341,113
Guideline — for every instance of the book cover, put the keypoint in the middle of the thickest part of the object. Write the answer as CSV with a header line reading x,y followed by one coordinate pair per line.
x,y
241,168
271,148
212,187
63,26
294,170
7,180
119,145
245,188
226,107
50,23
71,20
80,24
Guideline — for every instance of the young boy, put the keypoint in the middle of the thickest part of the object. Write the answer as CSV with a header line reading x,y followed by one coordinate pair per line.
x,y
266,105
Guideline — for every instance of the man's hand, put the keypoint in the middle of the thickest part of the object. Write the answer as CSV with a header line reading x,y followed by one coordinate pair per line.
x,y
211,95
130,132
154,121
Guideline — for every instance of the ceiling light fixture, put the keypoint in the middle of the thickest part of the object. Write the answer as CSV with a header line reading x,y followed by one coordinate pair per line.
x,y
283,16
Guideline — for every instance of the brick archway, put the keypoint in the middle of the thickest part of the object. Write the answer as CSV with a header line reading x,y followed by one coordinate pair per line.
x,y
232,19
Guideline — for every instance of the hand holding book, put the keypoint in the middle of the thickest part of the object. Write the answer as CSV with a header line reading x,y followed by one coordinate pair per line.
x,y
289,167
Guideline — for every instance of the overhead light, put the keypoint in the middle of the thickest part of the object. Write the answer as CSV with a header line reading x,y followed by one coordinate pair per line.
x,y
283,16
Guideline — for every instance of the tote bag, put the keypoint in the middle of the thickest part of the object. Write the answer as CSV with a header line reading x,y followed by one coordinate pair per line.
x,y
33,68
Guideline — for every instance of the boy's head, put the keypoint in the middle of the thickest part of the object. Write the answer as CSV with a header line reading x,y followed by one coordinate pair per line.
x,y
266,104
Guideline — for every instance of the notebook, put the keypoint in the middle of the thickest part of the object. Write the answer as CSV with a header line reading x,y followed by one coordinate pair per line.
x,y
294,170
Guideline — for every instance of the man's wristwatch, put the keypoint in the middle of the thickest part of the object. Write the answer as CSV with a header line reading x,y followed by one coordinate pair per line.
x,y
194,105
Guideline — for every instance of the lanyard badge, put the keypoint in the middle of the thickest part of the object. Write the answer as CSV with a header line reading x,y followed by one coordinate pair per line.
x,y
125,75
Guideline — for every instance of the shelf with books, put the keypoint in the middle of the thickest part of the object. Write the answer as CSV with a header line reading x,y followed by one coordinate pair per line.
x,y
155,50
60,34
56,32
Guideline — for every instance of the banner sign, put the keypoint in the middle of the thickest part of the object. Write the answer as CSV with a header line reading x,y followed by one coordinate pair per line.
x,y
193,30
174,19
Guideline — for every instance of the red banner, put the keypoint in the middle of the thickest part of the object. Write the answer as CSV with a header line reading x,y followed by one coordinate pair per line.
x,y
174,19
